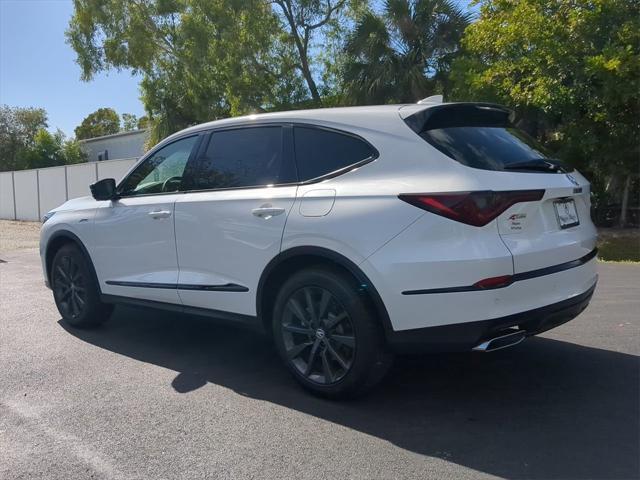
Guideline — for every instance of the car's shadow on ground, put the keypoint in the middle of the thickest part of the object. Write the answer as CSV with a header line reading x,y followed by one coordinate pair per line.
x,y
544,409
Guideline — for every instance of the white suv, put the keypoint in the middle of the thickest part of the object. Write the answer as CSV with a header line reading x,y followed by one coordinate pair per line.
x,y
346,234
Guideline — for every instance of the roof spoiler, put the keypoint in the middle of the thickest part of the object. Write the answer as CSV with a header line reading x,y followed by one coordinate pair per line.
x,y
431,99
460,114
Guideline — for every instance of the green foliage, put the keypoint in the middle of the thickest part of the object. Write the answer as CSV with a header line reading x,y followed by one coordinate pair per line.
x,y
25,142
72,152
200,59
18,128
129,122
50,150
404,54
104,121
143,123
572,67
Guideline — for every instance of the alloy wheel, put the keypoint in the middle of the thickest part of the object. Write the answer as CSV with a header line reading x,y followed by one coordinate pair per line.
x,y
69,286
318,335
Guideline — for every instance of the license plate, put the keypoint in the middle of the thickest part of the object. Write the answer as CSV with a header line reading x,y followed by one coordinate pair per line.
x,y
566,213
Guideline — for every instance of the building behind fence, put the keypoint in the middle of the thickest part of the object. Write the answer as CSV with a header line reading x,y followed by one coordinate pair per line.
x,y
118,145
29,194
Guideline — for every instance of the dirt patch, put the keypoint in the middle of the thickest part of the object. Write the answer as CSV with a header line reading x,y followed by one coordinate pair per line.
x,y
18,235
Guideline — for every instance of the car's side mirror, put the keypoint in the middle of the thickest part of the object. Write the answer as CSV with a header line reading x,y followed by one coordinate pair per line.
x,y
104,189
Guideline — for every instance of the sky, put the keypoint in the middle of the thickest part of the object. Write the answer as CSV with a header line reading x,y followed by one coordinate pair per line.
x,y
38,69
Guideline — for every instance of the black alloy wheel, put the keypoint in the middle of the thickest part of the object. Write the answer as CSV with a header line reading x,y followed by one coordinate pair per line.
x,y
328,334
70,287
75,288
318,335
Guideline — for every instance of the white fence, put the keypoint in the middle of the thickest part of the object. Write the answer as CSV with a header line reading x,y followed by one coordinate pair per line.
x,y
29,194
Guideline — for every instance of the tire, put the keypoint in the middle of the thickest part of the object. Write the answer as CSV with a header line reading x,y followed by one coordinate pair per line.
x,y
327,334
75,289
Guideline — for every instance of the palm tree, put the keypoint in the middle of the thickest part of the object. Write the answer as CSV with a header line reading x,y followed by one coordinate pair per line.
x,y
403,54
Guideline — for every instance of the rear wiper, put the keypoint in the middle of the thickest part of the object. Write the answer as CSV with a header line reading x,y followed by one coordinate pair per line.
x,y
537,165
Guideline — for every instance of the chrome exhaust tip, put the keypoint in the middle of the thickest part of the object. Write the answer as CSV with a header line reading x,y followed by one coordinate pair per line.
x,y
501,341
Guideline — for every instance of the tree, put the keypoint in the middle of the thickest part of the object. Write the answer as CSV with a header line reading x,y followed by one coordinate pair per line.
x,y
129,122
18,128
143,123
25,142
305,19
573,66
404,54
51,150
104,121
199,59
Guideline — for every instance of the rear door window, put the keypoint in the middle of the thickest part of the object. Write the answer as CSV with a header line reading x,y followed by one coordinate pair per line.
x,y
245,157
320,152
483,137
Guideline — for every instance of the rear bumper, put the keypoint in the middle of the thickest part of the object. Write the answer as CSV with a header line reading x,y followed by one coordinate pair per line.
x,y
465,336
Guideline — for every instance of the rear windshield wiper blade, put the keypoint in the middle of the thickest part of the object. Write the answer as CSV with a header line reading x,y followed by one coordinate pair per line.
x,y
537,165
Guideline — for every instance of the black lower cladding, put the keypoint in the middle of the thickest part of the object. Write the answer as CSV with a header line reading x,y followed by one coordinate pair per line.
x,y
227,287
249,321
465,336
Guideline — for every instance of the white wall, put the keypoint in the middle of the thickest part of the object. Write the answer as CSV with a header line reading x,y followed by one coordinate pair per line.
x,y
53,188
115,168
6,195
25,183
79,177
40,190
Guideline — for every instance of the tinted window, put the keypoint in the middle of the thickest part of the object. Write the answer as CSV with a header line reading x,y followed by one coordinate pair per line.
x,y
488,148
481,136
319,151
162,172
245,157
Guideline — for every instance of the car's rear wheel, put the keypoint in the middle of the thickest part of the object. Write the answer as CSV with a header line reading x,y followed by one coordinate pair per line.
x,y
75,289
327,335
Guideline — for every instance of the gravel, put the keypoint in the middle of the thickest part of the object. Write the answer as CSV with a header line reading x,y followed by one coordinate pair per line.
x,y
18,235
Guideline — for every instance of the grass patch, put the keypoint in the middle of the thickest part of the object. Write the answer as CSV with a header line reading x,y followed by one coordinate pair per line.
x,y
619,245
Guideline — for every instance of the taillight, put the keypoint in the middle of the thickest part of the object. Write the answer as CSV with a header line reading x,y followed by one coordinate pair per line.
x,y
472,208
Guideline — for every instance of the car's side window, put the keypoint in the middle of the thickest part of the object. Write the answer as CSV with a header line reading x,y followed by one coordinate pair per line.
x,y
245,157
320,151
162,172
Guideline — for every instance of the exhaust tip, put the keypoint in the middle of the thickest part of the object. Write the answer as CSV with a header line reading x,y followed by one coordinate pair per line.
x,y
501,341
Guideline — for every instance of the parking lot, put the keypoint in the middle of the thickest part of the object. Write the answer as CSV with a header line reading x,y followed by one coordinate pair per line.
x,y
159,395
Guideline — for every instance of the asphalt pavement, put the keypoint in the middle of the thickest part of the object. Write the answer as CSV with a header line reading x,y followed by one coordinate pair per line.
x,y
158,395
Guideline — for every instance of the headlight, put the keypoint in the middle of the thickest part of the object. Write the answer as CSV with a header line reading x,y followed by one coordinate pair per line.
x,y
47,216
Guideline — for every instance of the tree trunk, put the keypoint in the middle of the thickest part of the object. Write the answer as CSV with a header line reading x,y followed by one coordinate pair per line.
x,y
625,202
306,72
303,50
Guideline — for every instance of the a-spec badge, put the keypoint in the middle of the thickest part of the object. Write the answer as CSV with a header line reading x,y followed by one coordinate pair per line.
x,y
515,221
572,179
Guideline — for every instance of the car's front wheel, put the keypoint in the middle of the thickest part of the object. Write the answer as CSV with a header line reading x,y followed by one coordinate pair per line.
x,y
75,289
327,335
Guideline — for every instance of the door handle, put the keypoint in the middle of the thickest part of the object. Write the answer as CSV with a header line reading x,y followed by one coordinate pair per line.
x,y
159,214
267,212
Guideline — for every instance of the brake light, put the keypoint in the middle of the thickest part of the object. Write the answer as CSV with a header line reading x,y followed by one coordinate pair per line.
x,y
472,208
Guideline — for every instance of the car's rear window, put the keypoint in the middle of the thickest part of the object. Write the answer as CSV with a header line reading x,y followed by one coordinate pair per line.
x,y
482,137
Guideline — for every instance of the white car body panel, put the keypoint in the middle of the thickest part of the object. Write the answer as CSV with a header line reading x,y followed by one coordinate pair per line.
x,y
220,241
212,238
129,245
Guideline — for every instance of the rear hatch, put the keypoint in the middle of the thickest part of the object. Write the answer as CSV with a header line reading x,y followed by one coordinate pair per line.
x,y
547,217
555,230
